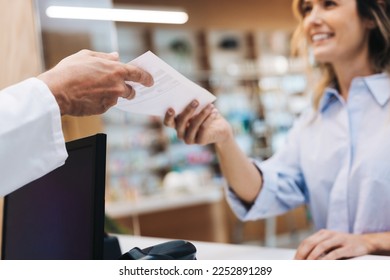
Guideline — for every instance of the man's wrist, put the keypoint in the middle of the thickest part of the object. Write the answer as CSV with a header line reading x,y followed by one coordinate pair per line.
x,y
59,97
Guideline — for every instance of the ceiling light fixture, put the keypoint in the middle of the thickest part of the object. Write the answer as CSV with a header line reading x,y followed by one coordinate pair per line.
x,y
126,15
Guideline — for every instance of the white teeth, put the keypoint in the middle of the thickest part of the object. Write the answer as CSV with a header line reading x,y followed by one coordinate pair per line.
x,y
319,37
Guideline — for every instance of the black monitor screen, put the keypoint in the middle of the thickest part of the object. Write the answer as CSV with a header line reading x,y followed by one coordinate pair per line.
x,y
60,216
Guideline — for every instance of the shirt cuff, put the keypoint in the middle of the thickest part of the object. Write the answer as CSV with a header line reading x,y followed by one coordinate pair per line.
x,y
56,124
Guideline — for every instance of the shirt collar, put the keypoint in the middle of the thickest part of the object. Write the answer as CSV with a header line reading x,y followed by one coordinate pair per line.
x,y
378,85
330,95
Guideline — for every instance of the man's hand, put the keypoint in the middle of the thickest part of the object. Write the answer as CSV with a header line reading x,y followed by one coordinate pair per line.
x,y
89,83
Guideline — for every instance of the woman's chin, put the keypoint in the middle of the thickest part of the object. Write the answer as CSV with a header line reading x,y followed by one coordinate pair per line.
x,y
323,58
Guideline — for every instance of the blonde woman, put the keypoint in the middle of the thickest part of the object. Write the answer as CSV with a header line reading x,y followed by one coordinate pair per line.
x,y
337,155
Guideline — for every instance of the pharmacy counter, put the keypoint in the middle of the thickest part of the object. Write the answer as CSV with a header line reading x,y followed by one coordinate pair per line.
x,y
222,251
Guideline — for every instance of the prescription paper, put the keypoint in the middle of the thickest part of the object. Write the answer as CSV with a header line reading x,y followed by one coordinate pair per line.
x,y
170,90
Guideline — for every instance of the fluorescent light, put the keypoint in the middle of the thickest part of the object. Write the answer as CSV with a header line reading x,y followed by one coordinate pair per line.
x,y
128,15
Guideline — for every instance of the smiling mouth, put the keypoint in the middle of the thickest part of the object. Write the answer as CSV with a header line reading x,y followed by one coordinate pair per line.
x,y
321,37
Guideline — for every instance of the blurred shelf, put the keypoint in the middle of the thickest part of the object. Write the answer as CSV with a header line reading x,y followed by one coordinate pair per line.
x,y
164,201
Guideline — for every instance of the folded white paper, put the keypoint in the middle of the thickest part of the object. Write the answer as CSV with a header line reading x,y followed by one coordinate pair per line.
x,y
170,90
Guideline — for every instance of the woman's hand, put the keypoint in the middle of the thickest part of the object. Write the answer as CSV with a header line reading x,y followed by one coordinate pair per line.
x,y
206,127
332,245
209,127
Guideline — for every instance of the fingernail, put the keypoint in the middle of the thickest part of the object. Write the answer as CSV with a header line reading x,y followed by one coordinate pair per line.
x,y
194,103
170,112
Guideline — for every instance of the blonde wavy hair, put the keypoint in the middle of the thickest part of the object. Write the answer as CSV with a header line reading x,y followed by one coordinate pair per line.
x,y
377,11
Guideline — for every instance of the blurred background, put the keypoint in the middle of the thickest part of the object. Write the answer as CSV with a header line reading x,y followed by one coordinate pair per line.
x,y
156,185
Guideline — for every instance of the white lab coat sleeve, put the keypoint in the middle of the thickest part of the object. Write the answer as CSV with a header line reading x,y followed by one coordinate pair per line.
x,y
31,138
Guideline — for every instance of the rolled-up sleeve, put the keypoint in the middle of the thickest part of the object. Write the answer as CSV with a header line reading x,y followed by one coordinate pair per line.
x,y
283,183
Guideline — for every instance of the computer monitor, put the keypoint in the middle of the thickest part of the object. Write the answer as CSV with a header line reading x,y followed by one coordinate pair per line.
x,y
60,216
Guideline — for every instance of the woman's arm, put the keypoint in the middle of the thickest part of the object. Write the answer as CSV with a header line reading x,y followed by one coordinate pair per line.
x,y
241,174
209,127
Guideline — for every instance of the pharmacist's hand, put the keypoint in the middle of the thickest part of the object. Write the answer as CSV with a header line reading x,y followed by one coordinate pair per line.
x,y
204,128
332,245
89,83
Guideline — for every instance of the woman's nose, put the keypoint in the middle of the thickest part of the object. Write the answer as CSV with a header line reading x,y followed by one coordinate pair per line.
x,y
315,16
